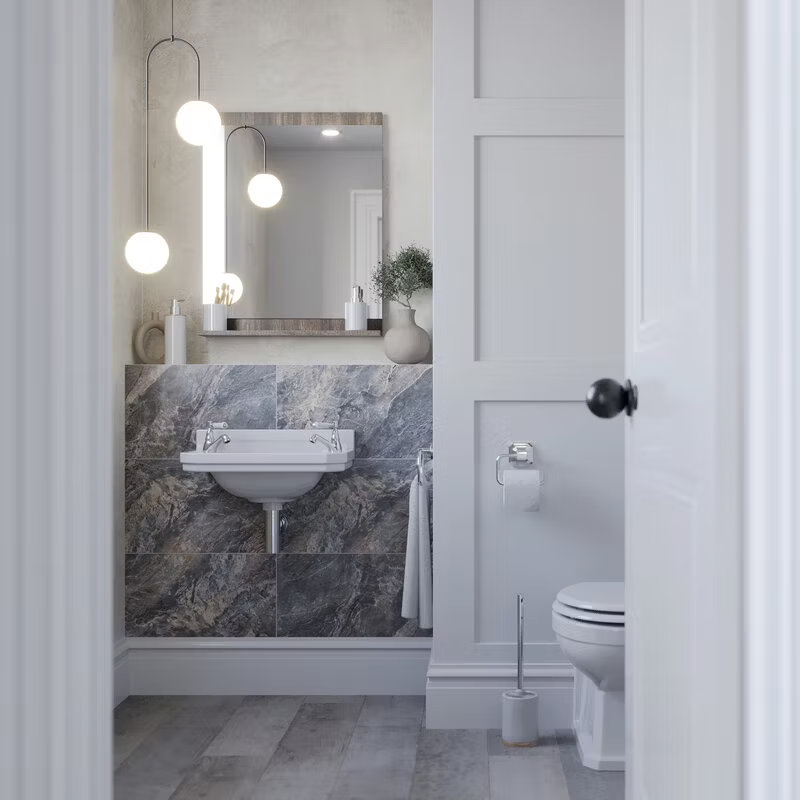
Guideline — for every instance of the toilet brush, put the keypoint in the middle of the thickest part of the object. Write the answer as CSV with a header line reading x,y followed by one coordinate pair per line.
x,y
520,706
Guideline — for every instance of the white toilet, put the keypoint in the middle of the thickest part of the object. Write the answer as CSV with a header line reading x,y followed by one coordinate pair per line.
x,y
589,623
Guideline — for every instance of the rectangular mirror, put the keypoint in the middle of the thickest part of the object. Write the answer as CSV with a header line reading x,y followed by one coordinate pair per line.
x,y
299,258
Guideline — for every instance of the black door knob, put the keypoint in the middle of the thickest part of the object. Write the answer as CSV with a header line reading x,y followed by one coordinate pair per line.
x,y
606,398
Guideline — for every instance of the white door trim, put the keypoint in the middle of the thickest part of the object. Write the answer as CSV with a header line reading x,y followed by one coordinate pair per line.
x,y
56,570
772,361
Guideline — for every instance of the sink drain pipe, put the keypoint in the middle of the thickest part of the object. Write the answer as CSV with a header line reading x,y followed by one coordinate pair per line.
x,y
276,525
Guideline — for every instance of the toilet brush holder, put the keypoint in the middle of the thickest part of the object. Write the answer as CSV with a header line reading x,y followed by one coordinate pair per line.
x,y
520,706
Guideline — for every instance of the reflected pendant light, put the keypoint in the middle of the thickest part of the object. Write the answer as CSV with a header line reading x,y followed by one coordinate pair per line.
x,y
264,190
147,251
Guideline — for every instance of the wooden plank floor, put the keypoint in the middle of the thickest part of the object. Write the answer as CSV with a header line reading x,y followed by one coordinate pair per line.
x,y
332,748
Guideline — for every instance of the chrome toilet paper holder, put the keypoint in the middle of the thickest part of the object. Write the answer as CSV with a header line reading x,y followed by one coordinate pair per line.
x,y
519,455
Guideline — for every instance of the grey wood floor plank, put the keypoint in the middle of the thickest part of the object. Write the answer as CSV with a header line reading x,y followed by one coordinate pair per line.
x,y
395,711
204,710
307,761
451,764
134,720
332,748
256,727
379,764
222,778
161,762
496,746
539,777
588,784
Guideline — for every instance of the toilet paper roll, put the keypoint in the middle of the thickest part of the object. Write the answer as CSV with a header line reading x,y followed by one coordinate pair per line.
x,y
521,489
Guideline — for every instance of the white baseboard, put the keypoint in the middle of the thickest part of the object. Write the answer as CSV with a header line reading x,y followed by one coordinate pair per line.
x,y
468,695
277,666
122,676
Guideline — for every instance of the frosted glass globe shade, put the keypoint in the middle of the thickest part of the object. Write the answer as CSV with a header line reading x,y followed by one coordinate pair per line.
x,y
197,122
147,252
234,283
265,190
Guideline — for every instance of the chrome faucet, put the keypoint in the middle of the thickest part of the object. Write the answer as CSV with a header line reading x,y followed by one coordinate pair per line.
x,y
211,442
334,444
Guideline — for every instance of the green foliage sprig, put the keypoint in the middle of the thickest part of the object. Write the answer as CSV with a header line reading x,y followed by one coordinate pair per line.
x,y
402,274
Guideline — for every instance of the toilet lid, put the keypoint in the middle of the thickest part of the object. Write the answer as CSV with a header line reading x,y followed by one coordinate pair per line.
x,y
602,597
593,617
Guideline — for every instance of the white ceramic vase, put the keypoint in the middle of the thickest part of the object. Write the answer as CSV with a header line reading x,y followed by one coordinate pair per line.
x,y
405,342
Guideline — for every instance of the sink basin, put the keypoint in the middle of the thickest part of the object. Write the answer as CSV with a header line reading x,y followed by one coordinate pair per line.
x,y
271,467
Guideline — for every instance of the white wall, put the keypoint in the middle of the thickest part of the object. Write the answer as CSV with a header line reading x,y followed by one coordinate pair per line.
x,y
294,259
282,55
528,202
126,165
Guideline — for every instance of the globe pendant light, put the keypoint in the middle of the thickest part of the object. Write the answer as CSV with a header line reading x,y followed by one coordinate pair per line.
x,y
146,251
197,121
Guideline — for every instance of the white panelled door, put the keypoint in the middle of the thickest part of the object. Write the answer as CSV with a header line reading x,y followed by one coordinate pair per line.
x,y
682,506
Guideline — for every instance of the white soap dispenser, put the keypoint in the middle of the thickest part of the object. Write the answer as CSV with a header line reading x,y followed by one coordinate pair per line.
x,y
355,311
175,335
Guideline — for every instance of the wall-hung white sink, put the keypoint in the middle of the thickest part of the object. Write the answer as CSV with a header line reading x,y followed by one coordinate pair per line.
x,y
271,467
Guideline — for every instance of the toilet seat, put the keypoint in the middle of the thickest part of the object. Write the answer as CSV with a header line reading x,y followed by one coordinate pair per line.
x,y
600,597
594,617
588,632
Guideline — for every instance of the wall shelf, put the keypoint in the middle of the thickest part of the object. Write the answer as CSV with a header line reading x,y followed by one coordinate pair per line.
x,y
306,333
294,326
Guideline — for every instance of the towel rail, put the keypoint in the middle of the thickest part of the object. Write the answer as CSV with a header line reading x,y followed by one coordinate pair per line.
x,y
424,452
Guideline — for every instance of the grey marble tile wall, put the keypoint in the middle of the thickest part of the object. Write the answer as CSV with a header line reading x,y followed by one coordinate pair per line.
x,y
196,562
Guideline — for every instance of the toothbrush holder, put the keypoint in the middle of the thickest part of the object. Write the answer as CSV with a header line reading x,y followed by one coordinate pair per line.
x,y
215,317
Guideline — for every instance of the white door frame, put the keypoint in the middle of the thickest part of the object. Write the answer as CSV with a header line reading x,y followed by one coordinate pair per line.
x,y
55,493
771,355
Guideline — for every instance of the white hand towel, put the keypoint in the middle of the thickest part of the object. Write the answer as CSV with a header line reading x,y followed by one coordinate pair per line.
x,y
418,581
410,608
425,567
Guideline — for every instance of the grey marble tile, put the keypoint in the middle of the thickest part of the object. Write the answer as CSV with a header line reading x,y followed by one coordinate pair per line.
x,y
256,728
168,510
361,510
451,764
200,595
222,778
339,595
308,759
389,407
378,765
539,777
584,783
165,405
402,711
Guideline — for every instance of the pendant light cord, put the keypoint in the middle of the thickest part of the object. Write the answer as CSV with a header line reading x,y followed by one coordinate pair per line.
x,y
227,216
169,39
